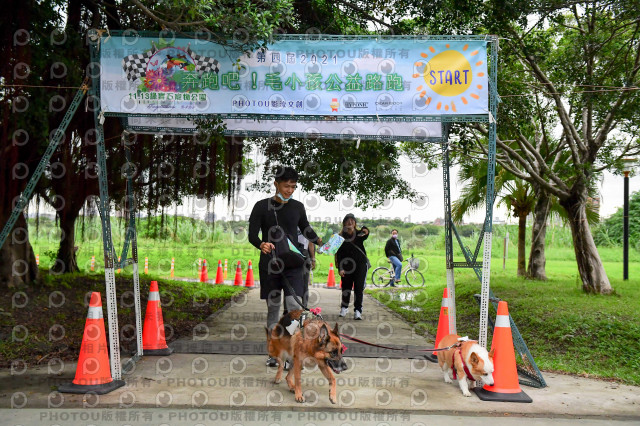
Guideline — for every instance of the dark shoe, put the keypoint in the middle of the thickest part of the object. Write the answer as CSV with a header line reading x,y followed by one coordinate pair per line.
x,y
272,362
287,365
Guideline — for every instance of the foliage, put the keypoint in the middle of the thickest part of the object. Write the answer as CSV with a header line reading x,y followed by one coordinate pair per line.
x,y
369,173
610,232
564,329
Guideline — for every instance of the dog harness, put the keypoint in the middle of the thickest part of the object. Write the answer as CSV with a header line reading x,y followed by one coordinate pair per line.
x,y
464,366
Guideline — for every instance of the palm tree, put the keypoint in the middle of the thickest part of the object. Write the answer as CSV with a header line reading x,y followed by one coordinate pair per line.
x,y
512,192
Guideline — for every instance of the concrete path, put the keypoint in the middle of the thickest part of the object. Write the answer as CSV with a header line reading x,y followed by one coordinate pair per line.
x,y
412,388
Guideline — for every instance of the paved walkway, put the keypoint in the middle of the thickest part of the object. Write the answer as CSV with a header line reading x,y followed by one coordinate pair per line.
x,y
236,381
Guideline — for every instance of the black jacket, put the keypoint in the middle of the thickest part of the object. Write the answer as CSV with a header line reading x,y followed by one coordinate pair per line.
x,y
391,249
291,216
348,257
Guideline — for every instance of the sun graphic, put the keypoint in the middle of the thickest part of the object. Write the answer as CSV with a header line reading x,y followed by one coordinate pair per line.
x,y
450,73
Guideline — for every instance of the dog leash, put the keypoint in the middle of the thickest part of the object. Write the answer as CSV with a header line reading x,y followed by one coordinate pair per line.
x,y
364,342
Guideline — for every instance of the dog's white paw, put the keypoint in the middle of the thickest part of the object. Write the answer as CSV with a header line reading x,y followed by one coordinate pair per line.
x,y
447,379
467,393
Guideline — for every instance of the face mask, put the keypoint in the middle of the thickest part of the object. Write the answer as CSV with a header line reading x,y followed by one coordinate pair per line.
x,y
282,198
394,236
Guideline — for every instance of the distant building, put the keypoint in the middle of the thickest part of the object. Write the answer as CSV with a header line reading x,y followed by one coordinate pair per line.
x,y
439,222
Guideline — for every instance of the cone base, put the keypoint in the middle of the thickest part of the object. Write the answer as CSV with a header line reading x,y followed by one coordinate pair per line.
x,y
97,389
157,352
431,357
485,395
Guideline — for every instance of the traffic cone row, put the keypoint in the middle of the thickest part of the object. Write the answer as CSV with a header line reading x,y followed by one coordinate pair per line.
x,y
443,325
93,263
146,266
173,266
506,386
204,276
225,269
249,281
331,279
219,274
153,337
238,278
93,373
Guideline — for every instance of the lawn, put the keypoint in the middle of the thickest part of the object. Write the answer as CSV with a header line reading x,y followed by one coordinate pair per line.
x,y
45,322
565,329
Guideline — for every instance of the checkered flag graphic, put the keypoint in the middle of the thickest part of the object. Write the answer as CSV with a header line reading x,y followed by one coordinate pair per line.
x,y
203,63
135,66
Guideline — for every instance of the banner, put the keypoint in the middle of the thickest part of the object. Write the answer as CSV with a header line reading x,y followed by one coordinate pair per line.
x,y
365,130
333,77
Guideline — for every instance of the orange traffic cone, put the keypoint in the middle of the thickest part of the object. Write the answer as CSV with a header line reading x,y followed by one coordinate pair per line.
x,y
93,373
219,274
443,324
331,279
204,275
506,387
238,279
153,341
249,282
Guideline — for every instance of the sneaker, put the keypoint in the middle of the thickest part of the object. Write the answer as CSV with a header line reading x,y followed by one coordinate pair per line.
x,y
343,312
272,362
287,365
357,315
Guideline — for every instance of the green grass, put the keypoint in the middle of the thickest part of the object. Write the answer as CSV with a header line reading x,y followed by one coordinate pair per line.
x,y
184,305
565,329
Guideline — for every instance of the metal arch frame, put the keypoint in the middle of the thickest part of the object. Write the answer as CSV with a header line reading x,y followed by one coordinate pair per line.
x,y
483,273
470,262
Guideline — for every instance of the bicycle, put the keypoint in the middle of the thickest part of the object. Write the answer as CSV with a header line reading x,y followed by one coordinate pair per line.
x,y
383,276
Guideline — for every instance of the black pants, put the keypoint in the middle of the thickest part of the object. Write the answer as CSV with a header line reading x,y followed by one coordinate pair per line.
x,y
354,282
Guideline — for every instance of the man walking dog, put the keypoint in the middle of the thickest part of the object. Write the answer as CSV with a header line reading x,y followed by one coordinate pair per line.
x,y
268,216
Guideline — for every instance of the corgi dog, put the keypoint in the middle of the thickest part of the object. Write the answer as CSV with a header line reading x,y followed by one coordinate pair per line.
x,y
467,361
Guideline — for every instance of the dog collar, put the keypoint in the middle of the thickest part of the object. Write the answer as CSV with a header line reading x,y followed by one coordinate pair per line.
x,y
464,366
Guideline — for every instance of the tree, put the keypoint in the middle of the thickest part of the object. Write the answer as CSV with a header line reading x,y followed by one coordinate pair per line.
x,y
513,192
32,56
368,173
584,63
581,59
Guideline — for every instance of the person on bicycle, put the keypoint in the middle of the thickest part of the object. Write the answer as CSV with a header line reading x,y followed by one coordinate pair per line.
x,y
393,251
353,264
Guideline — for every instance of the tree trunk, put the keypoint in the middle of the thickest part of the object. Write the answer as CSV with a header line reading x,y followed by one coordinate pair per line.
x,y
522,233
537,259
594,277
17,260
66,261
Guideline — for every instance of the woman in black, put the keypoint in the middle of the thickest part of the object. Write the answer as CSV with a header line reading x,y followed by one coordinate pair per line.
x,y
352,262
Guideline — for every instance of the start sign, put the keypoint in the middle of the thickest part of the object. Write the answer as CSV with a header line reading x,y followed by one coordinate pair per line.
x,y
294,77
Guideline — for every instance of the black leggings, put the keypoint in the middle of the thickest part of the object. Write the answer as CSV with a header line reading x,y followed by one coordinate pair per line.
x,y
354,281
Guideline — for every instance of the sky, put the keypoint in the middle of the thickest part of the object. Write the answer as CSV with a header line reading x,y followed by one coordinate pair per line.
x,y
428,183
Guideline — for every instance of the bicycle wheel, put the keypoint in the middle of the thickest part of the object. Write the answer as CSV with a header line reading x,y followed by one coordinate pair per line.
x,y
381,276
414,278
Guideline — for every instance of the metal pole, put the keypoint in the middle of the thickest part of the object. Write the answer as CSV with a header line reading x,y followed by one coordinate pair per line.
x,y
504,254
625,244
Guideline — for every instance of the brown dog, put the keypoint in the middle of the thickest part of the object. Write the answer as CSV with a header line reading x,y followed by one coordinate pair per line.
x,y
468,361
315,341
